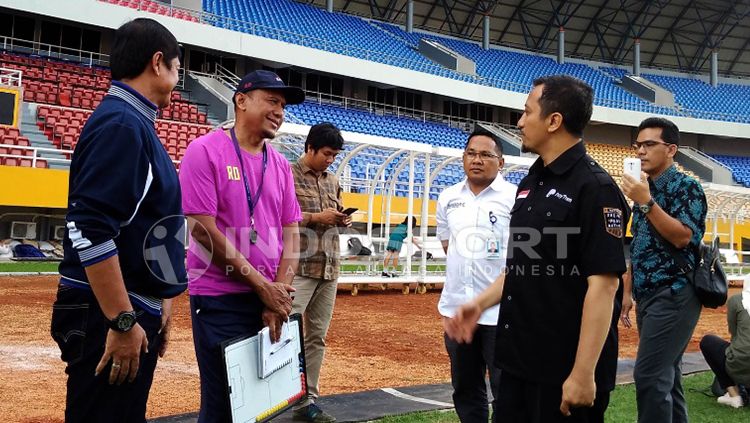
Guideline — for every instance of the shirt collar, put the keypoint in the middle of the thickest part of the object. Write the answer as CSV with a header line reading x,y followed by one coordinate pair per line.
x,y
662,180
496,185
134,98
567,159
307,169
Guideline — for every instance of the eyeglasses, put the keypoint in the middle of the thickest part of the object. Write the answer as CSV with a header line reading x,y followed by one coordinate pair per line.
x,y
648,144
482,155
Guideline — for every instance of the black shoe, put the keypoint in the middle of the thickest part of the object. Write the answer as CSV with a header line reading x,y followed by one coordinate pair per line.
x,y
312,413
386,275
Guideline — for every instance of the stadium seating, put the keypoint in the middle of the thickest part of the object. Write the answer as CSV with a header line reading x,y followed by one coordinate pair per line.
x,y
740,167
156,7
516,71
303,24
611,158
350,35
54,82
67,93
728,102
356,120
12,152
697,98
78,86
63,126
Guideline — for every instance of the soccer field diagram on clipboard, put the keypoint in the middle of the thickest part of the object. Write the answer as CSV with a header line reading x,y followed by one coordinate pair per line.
x,y
265,379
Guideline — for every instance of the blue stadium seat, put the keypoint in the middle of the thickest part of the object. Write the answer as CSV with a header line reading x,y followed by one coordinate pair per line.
x,y
740,167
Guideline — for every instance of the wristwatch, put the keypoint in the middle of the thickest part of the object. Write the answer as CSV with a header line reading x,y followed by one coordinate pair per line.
x,y
645,208
123,322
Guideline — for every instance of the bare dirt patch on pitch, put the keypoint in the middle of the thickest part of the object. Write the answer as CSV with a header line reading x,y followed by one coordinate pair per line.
x,y
377,339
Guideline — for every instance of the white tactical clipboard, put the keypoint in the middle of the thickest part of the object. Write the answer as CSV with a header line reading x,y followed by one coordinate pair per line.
x,y
253,399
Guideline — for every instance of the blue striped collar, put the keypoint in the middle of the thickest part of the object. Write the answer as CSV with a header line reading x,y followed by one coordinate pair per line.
x,y
134,98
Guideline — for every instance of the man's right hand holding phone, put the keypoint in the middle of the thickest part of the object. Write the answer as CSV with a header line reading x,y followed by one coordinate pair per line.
x,y
330,217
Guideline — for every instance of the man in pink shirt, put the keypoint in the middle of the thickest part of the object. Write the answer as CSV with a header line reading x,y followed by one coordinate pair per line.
x,y
239,197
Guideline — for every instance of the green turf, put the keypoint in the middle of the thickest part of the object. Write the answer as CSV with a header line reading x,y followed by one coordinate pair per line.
x,y
429,417
622,408
701,408
29,266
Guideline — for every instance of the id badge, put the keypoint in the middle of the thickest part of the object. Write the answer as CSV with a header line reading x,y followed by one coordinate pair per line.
x,y
493,248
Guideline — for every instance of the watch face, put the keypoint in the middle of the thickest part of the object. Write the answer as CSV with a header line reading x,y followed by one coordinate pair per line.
x,y
645,208
126,321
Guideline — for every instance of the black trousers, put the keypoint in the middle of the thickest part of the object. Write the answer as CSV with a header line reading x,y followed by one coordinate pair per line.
x,y
523,401
469,366
714,350
80,329
217,319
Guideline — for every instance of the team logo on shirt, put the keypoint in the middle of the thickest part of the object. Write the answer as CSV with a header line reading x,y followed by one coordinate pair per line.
x,y
523,194
613,221
553,193
455,205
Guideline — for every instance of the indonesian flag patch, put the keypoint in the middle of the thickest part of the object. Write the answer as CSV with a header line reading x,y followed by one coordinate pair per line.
x,y
523,194
613,221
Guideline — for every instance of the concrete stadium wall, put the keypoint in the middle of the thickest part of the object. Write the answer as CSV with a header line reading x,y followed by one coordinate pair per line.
x,y
101,14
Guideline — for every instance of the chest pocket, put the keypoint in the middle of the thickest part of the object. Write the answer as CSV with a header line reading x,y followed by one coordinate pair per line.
x,y
309,203
554,213
330,200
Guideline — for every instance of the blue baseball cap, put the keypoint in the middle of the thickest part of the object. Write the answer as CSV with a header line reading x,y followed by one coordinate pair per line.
x,y
267,80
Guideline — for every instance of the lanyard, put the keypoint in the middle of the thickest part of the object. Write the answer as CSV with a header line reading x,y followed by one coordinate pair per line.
x,y
251,203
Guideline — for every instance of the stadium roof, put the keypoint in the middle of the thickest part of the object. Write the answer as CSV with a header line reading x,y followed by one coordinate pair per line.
x,y
674,34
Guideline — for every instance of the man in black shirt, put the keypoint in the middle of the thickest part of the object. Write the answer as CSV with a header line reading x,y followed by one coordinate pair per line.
x,y
556,334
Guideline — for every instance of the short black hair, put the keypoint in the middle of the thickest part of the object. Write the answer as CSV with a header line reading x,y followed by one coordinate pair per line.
x,y
669,131
134,45
479,131
324,134
571,97
413,221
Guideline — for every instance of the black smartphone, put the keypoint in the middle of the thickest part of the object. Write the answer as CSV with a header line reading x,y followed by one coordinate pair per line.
x,y
350,210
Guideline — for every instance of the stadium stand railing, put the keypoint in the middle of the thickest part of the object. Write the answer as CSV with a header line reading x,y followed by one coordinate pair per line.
x,y
66,92
28,156
82,57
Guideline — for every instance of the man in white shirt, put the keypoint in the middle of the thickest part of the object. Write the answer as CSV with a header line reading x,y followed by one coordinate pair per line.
x,y
473,217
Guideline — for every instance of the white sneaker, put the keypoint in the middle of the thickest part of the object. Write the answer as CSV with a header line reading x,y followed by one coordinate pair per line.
x,y
735,402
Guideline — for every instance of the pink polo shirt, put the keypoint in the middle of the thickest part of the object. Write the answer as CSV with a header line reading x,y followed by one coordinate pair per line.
x,y
212,185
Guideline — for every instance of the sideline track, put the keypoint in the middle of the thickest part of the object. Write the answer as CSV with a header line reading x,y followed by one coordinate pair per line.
x,y
376,404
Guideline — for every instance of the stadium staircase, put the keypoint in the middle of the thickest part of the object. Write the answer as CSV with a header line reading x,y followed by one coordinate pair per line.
x,y
38,139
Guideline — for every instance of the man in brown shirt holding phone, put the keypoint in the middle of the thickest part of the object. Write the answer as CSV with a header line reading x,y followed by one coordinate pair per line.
x,y
319,196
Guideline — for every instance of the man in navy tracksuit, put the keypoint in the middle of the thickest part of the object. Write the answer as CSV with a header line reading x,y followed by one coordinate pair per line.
x,y
124,245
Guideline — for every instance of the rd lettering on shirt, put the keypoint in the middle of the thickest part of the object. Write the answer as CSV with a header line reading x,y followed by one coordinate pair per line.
x,y
233,173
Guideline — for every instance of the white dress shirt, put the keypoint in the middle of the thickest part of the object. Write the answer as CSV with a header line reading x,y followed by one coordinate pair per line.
x,y
474,225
